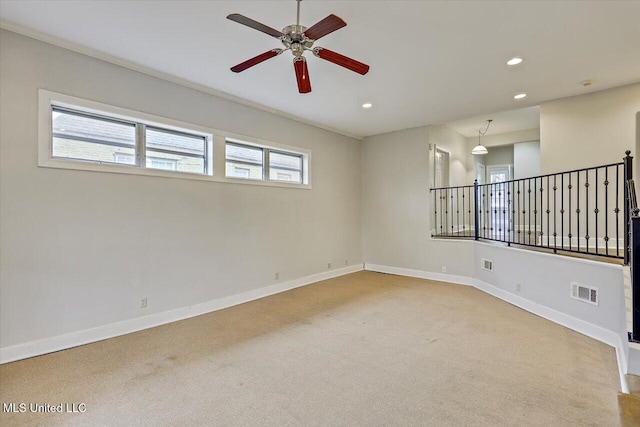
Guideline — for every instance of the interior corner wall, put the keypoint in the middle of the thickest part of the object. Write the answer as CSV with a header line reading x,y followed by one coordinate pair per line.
x,y
589,130
526,159
497,143
397,170
501,155
80,249
459,165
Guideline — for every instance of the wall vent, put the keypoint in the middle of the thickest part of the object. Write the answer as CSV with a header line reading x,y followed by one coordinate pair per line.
x,y
487,264
584,293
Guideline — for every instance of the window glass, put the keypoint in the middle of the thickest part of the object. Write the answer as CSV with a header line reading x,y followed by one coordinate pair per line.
x,y
84,137
285,167
243,161
87,135
175,151
248,162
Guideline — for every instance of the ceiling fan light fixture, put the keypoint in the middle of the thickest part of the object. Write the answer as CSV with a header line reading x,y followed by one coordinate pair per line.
x,y
298,39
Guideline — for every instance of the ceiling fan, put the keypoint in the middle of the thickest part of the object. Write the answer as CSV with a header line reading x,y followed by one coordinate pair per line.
x,y
298,38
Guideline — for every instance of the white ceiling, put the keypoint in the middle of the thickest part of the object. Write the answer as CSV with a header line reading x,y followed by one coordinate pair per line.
x,y
431,62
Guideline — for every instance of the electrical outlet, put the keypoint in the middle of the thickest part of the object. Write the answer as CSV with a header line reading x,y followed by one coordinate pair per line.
x,y
328,265
277,276
444,268
143,302
518,287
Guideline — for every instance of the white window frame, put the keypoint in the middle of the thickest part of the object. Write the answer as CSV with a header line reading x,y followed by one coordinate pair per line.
x,y
215,140
266,162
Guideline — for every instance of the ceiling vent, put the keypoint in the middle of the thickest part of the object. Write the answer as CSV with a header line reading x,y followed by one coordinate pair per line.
x,y
584,293
487,264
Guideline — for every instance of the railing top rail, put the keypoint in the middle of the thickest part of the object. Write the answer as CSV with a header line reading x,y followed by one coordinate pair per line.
x,y
532,177
451,188
555,174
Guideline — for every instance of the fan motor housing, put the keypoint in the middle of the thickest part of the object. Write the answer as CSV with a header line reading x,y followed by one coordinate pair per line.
x,y
293,38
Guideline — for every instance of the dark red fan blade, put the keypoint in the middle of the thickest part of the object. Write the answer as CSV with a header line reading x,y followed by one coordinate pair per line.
x,y
254,61
241,19
324,27
341,60
302,75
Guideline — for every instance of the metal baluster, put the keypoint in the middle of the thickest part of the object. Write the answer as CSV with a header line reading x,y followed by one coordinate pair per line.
x,y
533,210
435,211
476,211
596,210
548,213
540,233
529,231
494,221
484,209
555,209
628,175
606,210
486,227
569,187
451,190
494,204
518,214
586,208
617,210
504,217
457,211
441,214
511,211
521,210
578,209
464,227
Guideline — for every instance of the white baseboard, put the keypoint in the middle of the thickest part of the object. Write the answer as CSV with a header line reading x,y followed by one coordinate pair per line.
x,y
593,331
441,277
596,332
86,336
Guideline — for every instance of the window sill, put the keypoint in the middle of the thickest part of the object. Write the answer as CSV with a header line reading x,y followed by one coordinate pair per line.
x,y
133,170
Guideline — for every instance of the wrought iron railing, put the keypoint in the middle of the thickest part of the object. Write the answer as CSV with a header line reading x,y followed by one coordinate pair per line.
x,y
583,211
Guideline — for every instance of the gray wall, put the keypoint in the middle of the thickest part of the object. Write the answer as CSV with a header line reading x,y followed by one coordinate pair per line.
x,y
526,159
502,155
589,130
397,202
80,249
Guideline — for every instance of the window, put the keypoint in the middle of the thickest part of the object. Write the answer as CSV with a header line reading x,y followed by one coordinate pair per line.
x,y
263,163
285,167
246,160
79,135
178,151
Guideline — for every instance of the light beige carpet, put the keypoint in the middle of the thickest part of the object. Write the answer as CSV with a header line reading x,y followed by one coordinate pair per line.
x,y
366,349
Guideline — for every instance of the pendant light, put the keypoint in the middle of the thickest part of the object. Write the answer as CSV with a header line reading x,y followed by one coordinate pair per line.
x,y
480,149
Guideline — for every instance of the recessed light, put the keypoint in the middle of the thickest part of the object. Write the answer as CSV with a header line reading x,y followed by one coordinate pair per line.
x,y
367,105
514,61
519,96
